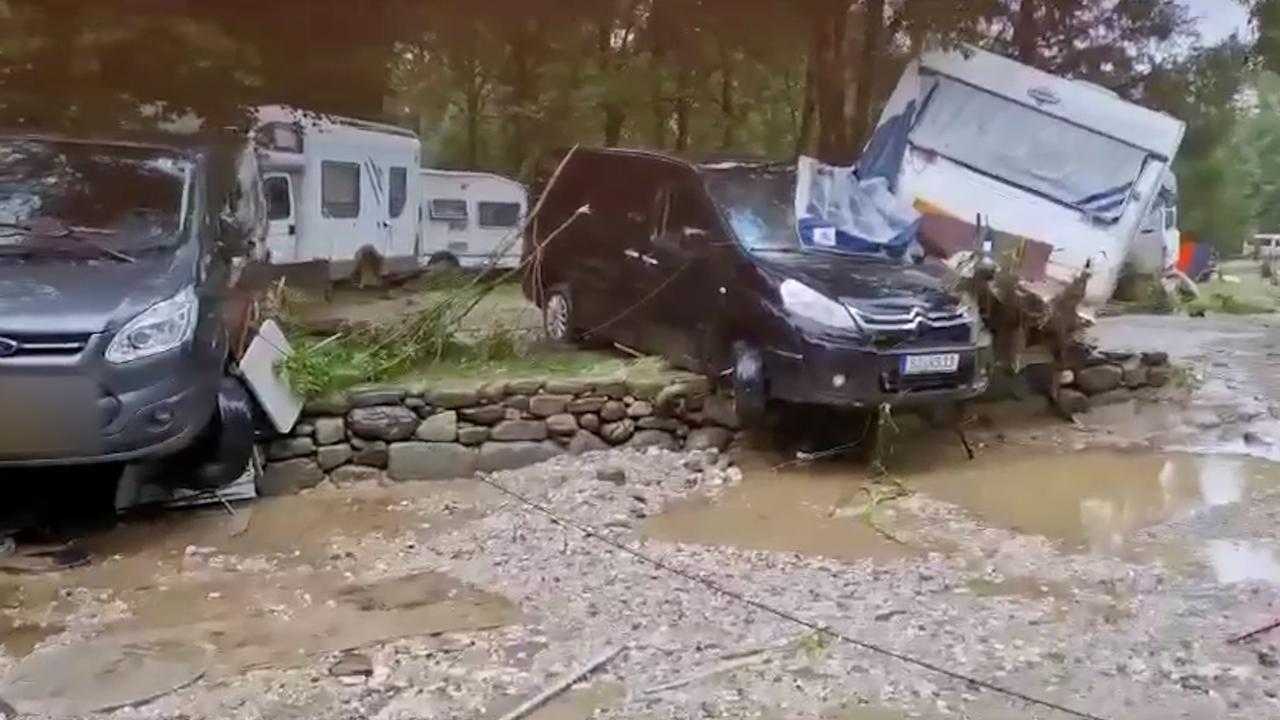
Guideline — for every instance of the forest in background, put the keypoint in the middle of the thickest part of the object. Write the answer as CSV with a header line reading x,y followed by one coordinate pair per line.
x,y
494,84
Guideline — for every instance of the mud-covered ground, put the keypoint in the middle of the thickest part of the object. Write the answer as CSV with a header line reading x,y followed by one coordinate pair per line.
x,y
1101,567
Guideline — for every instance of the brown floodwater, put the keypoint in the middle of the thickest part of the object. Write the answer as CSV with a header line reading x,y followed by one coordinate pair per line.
x,y
1094,501
210,594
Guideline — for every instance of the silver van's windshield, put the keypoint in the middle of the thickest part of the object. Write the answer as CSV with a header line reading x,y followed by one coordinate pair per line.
x,y
124,196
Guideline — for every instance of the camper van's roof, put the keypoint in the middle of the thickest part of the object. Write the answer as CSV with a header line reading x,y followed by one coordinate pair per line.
x,y
1078,102
467,174
285,113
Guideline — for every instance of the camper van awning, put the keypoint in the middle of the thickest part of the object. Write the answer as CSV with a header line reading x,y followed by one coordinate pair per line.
x,y
1074,101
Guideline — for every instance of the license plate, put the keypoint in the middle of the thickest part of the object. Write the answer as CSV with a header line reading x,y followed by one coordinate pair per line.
x,y
47,417
937,364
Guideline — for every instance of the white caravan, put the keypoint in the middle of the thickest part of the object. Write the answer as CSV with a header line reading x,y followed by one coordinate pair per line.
x,y
1155,249
342,194
1062,162
471,219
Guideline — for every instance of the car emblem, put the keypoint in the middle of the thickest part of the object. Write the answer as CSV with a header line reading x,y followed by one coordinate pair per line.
x,y
1044,96
8,347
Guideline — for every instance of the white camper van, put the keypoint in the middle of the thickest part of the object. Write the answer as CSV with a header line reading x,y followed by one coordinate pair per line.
x,y
341,193
1040,157
471,219
1154,251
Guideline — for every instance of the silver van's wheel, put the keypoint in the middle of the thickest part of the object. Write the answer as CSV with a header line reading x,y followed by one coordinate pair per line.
x,y
557,315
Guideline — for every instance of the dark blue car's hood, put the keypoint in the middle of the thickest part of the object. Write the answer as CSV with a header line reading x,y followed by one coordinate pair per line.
x,y
869,283
80,295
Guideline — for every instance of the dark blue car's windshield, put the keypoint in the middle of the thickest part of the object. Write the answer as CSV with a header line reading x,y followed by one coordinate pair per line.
x,y
124,196
758,204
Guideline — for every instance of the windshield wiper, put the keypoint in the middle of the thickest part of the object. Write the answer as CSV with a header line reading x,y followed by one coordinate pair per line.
x,y
57,230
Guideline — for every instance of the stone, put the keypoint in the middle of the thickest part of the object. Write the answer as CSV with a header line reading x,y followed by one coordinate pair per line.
x,y
493,391
383,422
1256,440
430,461
1065,378
472,434
330,457
618,432
514,414
548,405
645,388
441,427
612,411
483,414
656,423
565,387
349,475
586,405
517,402
1099,378
1155,359
289,477
327,405
519,430
415,403
495,456
524,387
352,664
639,409
720,410
330,430
612,475
589,422
585,442
1159,376
562,424
708,437
373,454
304,429
372,396
1070,402
615,389
454,398
1135,376
289,448
652,438
358,443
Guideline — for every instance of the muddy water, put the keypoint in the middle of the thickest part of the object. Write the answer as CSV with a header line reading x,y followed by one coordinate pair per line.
x,y
274,585
1086,501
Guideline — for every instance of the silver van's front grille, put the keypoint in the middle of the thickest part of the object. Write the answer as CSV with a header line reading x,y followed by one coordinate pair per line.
x,y
27,344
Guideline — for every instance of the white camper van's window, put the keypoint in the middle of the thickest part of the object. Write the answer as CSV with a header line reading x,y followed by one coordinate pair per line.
x,y
1028,148
399,193
340,189
499,214
449,210
279,204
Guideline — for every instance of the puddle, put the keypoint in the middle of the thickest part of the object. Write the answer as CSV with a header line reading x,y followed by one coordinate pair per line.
x,y
1093,500
786,510
1235,561
274,586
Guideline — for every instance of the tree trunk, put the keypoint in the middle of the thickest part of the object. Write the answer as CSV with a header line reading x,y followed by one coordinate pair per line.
x,y
804,135
523,94
1026,31
614,121
830,30
474,89
683,108
872,41
728,110
658,103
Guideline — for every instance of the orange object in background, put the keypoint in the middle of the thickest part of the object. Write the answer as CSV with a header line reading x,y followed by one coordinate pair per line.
x,y
1186,252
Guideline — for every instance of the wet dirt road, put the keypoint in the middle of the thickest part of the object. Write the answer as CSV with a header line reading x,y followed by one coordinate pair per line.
x,y
1100,568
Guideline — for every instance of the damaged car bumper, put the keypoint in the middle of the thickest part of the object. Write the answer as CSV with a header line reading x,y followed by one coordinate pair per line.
x,y
861,375
69,406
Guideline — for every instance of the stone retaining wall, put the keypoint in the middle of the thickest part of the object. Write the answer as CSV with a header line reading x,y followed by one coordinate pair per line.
x,y
1102,378
455,430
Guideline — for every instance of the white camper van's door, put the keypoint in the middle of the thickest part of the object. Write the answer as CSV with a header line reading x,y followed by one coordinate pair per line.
x,y
282,223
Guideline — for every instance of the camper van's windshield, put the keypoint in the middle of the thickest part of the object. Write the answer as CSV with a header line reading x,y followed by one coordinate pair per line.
x,y
1028,148
123,196
759,204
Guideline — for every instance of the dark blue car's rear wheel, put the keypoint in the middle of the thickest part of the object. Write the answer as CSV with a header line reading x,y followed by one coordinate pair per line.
x,y
750,388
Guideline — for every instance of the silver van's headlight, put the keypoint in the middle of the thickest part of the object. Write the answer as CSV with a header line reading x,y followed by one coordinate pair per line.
x,y
803,301
160,328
